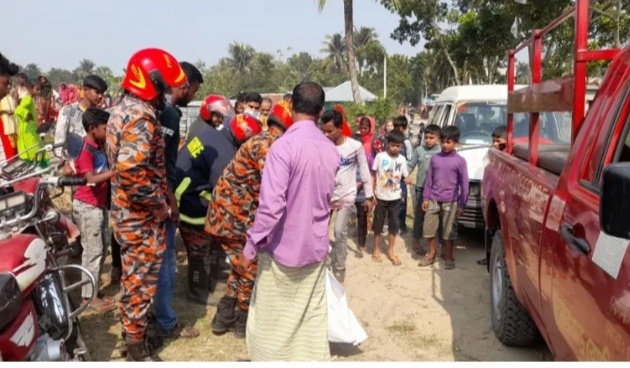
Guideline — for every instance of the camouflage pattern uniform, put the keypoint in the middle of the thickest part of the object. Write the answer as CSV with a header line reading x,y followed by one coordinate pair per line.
x,y
232,211
136,155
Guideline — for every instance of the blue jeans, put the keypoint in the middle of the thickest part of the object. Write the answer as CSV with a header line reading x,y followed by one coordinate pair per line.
x,y
164,313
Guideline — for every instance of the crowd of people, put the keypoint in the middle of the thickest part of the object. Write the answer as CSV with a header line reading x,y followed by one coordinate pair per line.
x,y
257,184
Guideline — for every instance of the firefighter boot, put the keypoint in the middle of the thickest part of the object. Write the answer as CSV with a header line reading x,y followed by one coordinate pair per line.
x,y
200,285
223,321
140,351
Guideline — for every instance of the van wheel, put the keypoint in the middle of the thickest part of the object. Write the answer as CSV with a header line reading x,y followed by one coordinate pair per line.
x,y
511,322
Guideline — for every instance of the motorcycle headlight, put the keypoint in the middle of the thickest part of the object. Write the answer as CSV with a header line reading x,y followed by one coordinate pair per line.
x,y
10,299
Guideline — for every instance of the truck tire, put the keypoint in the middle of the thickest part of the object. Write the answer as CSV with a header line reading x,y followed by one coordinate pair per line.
x,y
511,322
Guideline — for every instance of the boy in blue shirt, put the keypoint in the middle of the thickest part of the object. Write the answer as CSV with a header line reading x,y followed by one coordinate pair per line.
x,y
420,157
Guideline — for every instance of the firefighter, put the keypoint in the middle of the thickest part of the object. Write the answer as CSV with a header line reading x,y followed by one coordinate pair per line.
x,y
231,214
200,163
213,111
139,206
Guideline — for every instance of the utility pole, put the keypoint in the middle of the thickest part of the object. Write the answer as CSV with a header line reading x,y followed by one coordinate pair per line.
x,y
385,76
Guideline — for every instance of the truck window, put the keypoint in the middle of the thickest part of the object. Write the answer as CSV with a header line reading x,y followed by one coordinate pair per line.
x,y
618,138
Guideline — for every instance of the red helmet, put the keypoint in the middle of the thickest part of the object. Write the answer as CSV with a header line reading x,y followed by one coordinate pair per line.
x,y
150,71
244,126
281,114
215,103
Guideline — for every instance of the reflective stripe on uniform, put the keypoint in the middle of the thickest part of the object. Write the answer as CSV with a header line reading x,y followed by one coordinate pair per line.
x,y
206,195
181,188
192,220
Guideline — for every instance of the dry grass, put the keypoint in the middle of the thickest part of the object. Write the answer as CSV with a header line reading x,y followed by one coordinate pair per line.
x,y
103,330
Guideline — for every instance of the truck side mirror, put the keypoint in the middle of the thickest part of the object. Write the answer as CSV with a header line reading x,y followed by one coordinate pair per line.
x,y
614,210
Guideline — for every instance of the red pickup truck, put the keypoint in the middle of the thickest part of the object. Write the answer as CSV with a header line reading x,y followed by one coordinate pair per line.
x,y
558,215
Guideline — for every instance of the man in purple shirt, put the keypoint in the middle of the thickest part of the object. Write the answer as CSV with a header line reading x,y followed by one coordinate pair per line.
x,y
288,316
445,196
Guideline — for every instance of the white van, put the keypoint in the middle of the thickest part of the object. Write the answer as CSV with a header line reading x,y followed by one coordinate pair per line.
x,y
477,110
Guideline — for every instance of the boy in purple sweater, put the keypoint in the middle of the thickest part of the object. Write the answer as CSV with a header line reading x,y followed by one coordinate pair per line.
x,y
445,196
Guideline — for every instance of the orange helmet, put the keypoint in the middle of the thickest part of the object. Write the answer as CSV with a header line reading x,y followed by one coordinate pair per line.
x,y
215,103
281,115
244,126
150,71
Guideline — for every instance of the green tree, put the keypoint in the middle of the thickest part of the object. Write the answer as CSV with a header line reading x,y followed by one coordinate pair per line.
x,y
85,68
335,50
32,71
58,75
348,15
240,56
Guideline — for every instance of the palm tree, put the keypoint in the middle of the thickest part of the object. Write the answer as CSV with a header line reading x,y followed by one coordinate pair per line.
x,y
335,48
349,36
85,68
363,36
241,56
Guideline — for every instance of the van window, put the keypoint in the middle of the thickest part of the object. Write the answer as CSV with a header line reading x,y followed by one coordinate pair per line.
x,y
478,120
444,121
435,114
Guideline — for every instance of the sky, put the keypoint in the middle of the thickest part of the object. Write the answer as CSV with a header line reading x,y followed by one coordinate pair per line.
x,y
59,33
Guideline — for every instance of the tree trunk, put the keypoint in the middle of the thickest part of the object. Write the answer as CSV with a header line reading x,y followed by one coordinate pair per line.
x,y
450,61
350,57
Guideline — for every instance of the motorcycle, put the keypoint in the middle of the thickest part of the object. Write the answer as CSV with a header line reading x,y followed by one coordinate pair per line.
x,y
38,317
19,175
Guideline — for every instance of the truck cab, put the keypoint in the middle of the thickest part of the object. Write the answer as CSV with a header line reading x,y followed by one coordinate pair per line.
x,y
557,214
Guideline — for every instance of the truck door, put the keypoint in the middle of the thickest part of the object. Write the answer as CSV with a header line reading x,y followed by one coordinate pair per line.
x,y
585,277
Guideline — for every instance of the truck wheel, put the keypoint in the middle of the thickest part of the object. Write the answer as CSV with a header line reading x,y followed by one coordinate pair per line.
x,y
511,322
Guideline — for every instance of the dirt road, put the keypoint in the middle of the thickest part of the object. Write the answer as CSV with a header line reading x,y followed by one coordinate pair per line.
x,y
409,313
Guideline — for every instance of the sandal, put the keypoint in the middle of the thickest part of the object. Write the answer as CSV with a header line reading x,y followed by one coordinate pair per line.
x,y
419,250
395,261
482,262
427,261
179,331
377,259
449,264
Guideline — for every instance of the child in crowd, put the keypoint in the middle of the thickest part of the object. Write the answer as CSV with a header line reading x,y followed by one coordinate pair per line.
x,y
388,171
89,203
445,196
28,141
499,141
401,124
365,136
380,141
499,138
421,157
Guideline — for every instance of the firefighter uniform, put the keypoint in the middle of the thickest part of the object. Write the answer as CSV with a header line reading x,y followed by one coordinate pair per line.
x,y
136,155
231,214
200,163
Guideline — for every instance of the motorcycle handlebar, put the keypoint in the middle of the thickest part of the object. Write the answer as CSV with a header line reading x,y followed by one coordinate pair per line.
x,y
69,182
52,180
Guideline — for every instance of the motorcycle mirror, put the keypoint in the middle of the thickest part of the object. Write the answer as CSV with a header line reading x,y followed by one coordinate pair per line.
x,y
72,146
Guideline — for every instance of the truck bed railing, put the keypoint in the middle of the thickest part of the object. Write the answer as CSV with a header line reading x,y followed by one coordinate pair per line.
x,y
562,94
